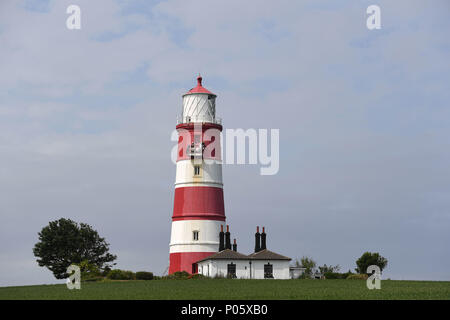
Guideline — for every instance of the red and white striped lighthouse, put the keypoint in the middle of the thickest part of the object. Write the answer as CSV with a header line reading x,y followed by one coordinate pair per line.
x,y
198,210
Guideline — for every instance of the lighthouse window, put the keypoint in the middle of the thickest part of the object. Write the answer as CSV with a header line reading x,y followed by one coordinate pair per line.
x,y
196,170
195,235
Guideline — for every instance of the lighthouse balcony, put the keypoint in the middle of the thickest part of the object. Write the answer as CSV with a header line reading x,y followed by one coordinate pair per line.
x,y
189,119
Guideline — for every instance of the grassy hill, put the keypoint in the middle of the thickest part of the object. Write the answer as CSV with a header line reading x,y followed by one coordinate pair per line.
x,y
223,289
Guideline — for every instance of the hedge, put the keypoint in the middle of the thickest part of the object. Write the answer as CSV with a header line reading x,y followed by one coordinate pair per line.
x,y
118,274
144,275
357,276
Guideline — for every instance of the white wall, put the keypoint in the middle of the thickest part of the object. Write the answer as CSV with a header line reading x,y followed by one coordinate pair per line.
x,y
211,174
182,236
211,268
220,267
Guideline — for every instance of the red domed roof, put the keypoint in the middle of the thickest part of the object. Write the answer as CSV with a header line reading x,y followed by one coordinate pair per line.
x,y
199,88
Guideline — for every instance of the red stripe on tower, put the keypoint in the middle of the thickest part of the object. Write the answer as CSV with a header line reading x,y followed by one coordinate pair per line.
x,y
199,202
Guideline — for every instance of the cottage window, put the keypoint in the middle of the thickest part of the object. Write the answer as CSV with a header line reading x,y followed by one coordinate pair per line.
x,y
268,271
231,270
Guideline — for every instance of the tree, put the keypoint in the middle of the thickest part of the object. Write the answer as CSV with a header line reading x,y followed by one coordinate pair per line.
x,y
368,259
329,269
64,242
309,264
88,271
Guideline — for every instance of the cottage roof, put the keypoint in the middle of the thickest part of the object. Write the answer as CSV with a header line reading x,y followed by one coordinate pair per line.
x,y
228,254
267,255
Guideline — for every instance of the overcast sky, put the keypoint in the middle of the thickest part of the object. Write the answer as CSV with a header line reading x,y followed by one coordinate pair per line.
x,y
364,117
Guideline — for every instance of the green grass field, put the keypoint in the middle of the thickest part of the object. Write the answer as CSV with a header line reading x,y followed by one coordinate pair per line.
x,y
223,289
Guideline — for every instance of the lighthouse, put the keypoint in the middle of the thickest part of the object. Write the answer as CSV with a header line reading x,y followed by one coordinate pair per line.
x,y
198,211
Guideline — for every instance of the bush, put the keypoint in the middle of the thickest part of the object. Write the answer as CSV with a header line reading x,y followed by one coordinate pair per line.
x,y
304,276
105,271
337,275
357,276
179,275
333,275
94,279
118,274
197,276
144,275
346,274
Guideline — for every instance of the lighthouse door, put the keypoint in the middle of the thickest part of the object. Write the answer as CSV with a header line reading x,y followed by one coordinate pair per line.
x,y
194,268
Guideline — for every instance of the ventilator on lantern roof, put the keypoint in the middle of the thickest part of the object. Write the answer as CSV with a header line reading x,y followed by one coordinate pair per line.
x,y
199,88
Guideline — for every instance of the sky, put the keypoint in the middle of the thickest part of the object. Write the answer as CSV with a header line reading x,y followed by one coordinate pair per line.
x,y
86,118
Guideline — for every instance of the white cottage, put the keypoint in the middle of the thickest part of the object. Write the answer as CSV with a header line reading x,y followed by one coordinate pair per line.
x,y
264,264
